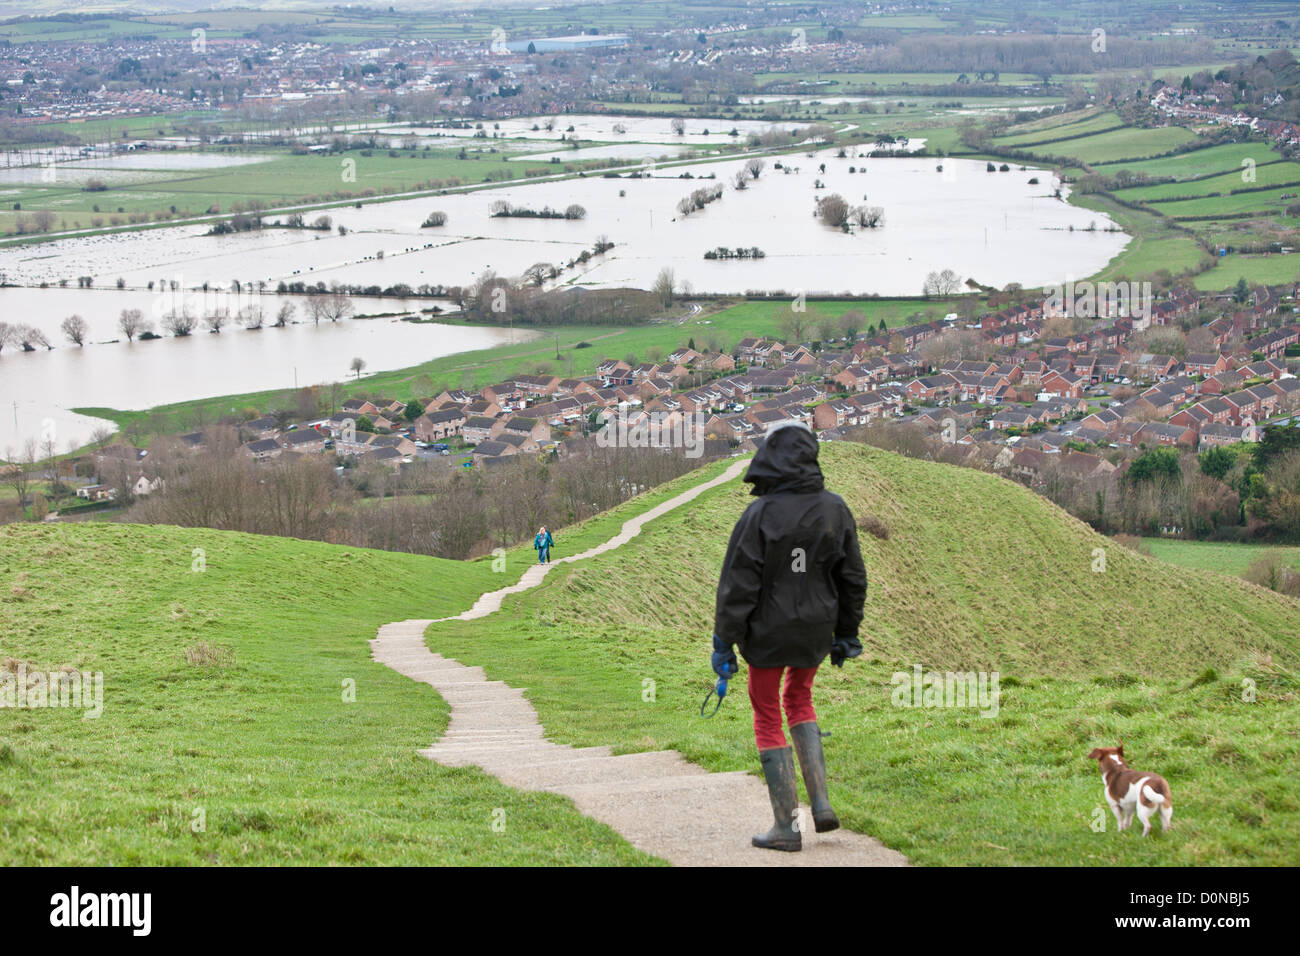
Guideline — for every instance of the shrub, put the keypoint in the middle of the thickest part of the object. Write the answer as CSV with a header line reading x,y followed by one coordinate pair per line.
x,y
874,526
204,654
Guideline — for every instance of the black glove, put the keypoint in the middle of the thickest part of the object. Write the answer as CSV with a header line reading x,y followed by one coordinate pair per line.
x,y
842,648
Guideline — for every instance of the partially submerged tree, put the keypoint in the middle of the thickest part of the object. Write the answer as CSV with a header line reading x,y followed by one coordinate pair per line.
x,y
75,328
132,323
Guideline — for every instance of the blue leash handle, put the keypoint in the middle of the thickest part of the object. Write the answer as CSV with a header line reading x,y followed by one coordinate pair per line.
x,y
721,691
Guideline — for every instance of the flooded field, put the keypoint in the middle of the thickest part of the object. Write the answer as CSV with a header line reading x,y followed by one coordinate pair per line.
x,y
37,389
995,227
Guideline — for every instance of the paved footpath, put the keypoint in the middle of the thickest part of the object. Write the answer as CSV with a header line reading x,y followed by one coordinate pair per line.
x,y
659,801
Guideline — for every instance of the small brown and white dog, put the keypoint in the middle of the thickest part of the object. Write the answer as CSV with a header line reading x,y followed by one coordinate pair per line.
x,y
1128,791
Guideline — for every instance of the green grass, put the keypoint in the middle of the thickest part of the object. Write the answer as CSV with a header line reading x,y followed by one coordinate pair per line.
x,y
1101,122
1269,269
1263,202
1198,162
282,769
1157,244
1270,174
1224,557
285,771
977,574
1125,143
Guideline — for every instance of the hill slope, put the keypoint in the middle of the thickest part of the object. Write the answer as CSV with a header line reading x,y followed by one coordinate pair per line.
x,y
259,746
977,574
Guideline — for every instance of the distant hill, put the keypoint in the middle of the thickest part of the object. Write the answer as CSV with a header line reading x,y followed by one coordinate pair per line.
x,y
977,571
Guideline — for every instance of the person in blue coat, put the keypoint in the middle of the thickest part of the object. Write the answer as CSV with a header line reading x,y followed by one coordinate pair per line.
x,y
542,544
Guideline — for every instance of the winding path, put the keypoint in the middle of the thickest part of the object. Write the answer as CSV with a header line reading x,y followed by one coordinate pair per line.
x,y
658,801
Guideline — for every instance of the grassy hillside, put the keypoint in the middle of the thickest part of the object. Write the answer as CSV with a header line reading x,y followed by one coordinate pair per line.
x,y
284,770
977,574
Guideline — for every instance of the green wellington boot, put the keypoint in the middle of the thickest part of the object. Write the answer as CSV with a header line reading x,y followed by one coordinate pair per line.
x,y
778,771
808,745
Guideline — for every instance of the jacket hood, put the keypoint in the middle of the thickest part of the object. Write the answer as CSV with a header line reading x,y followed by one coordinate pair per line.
x,y
786,461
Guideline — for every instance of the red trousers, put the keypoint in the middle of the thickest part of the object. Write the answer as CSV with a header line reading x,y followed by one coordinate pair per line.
x,y
766,696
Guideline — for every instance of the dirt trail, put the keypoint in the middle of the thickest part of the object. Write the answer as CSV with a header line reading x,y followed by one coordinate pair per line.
x,y
659,801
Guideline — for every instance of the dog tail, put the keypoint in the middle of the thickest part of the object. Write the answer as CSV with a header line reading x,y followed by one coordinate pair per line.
x,y
1152,795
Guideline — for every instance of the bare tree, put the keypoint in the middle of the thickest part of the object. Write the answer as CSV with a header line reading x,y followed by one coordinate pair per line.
x,y
32,338
539,272
19,473
337,306
179,324
851,323
740,180
131,323
678,126
75,328
285,315
217,319
792,324
834,210
755,167
869,217
316,308
8,335
358,364
941,283
664,287
251,316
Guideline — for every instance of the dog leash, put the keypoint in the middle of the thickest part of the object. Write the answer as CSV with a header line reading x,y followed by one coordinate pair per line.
x,y
721,691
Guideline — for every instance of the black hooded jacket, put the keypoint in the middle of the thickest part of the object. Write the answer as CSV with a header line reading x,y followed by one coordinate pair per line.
x,y
793,578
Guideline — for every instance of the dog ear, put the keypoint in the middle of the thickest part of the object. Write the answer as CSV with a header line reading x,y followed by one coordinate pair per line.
x,y
1096,754
1120,749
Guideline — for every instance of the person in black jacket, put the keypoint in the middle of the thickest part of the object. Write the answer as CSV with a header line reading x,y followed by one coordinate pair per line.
x,y
791,592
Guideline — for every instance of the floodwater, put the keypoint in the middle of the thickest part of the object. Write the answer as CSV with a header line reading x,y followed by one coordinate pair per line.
x,y
37,389
994,227
123,169
609,127
628,151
